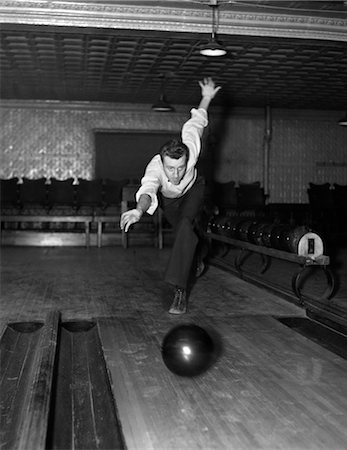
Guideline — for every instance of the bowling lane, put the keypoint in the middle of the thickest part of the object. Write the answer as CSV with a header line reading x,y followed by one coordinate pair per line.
x,y
269,388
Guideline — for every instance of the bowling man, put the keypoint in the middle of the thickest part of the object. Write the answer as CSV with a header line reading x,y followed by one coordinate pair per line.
x,y
171,181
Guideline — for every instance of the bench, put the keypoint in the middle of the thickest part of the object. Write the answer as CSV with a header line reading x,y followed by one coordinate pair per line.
x,y
87,220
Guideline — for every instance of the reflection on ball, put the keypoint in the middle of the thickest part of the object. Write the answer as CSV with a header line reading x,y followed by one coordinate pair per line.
x,y
188,350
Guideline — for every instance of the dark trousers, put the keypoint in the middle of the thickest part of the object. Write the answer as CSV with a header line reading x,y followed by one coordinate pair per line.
x,y
183,214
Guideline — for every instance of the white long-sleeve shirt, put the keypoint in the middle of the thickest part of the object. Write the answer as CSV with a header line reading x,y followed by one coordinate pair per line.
x,y
155,179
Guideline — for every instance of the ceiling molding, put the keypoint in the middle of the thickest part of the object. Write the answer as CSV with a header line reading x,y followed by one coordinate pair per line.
x,y
56,105
88,14
238,112
109,51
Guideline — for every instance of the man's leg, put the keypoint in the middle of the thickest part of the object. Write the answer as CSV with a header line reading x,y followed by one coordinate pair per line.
x,y
182,254
182,213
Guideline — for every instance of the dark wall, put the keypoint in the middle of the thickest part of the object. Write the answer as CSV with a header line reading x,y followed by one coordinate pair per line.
x,y
120,154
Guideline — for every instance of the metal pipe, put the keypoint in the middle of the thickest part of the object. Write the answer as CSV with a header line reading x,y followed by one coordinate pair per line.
x,y
266,149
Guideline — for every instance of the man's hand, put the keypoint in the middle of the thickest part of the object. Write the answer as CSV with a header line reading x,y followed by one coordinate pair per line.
x,y
208,88
129,217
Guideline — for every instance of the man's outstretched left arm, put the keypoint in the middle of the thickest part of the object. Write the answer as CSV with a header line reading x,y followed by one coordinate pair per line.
x,y
134,215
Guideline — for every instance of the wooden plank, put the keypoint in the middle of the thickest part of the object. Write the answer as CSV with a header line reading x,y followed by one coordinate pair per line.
x,y
280,254
16,366
46,218
53,238
83,413
104,219
61,404
107,429
332,314
84,435
3,326
269,388
45,239
33,427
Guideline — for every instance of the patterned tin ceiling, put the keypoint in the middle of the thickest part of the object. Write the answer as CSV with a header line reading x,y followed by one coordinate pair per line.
x,y
60,59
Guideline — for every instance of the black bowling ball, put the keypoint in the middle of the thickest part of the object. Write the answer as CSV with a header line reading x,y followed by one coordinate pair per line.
x,y
188,350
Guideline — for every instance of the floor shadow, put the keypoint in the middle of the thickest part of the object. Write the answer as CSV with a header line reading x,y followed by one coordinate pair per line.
x,y
318,333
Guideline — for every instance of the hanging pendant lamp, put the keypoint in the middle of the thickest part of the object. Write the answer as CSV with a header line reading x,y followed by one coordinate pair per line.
x,y
343,121
162,105
213,47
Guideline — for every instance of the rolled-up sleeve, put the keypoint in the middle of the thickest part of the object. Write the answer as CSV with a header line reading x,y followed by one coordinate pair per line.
x,y
150,184
192,132
154,176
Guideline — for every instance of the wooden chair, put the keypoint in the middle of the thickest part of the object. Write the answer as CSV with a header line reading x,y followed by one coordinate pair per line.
x,y
112,192
33,193
323,212
320,196
148,224
89,193
9,192
251,198
340,207
61,193
225,196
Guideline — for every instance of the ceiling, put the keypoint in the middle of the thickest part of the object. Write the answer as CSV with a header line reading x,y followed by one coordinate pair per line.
x,y
283,54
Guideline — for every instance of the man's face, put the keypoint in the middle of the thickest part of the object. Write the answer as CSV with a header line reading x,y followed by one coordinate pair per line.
x,y
175,168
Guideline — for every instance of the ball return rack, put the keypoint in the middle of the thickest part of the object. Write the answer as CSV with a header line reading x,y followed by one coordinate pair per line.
x,y
307,261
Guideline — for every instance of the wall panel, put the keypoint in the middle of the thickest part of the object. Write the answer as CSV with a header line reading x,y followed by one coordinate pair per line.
x,y
298,147
56,139
49,142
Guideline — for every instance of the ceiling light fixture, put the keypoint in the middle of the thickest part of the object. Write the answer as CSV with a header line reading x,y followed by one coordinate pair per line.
x,y
343,121
162,105
213,47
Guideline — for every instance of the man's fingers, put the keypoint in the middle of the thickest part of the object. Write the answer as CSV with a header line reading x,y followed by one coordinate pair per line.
x,y
127,226
123,220
127,219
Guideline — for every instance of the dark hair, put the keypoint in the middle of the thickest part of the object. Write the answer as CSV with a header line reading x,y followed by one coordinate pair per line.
x,y
175,149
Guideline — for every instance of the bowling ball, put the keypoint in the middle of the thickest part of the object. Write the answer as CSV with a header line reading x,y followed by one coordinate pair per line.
x,y
187,350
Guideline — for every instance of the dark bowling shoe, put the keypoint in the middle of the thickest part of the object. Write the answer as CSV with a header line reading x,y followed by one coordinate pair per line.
x,y
179,304
200,268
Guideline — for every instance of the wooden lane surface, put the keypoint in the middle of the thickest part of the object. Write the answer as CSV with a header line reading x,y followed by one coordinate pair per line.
x,y
269,389
82,408
27,363
33,430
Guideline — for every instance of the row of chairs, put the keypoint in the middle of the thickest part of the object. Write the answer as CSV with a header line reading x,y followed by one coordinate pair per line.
x,y
45,194
100,221
328,208
100,192
327,195
245,196
251,195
